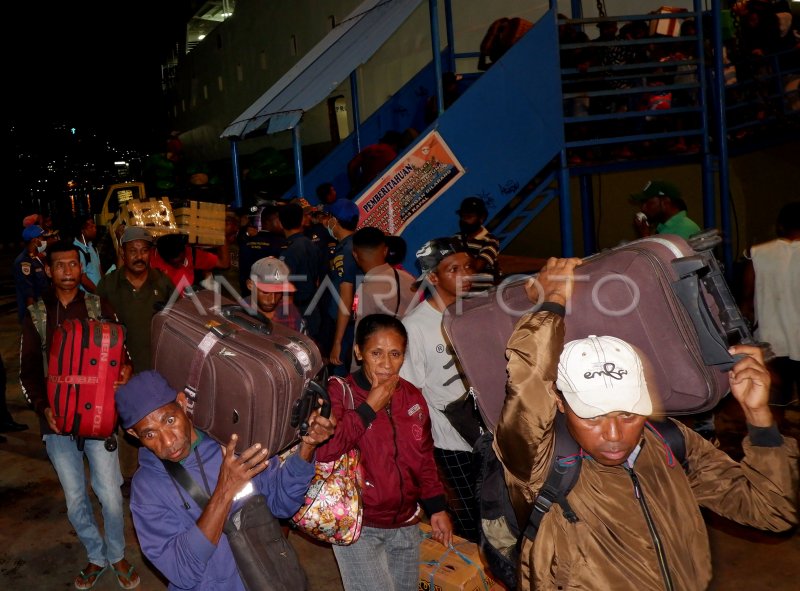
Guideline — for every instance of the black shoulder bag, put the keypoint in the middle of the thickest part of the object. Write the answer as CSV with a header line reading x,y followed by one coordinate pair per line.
x,y
265,559
463,414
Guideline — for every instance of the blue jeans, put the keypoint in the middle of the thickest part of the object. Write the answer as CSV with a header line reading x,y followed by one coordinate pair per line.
x,y
386,559
106,481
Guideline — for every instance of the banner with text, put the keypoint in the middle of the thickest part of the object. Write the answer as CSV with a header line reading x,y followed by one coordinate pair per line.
x,y
411,185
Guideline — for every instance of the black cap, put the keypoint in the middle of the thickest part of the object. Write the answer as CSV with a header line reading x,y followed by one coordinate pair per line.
x,y
473,205
434,252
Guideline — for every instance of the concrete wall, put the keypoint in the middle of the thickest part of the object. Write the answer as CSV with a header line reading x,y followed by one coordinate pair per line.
x,y
761,183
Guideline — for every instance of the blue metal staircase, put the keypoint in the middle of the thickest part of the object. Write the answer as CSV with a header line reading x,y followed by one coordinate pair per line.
x,y
507,129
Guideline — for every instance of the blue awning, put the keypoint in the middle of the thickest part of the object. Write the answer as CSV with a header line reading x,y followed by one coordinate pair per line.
x,y
350,44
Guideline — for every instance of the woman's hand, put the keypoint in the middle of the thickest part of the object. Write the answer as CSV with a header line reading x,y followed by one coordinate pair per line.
x,y
442,528
381,393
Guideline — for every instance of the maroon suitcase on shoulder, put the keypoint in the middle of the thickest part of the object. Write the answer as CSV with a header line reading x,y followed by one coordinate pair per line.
x,y
84,362
241,375
656,293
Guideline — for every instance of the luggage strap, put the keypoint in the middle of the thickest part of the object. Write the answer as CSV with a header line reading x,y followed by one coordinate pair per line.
x,y
196,368
38,313
563,474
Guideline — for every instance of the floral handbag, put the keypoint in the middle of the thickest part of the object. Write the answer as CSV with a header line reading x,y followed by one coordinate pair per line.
x,y
332,509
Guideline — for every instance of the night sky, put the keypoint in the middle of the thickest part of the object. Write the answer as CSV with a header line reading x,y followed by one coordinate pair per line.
x,y
91,63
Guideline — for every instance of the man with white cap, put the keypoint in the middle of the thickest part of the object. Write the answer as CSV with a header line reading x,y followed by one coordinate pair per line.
x,y
638,524
270,286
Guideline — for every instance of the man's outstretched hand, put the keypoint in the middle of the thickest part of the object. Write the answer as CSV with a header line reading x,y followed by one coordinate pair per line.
x,y
554,282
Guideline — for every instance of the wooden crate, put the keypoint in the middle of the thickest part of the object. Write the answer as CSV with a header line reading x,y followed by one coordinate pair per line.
x,y
203,222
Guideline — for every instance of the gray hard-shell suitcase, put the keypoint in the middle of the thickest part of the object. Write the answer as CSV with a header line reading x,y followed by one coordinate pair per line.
x,y
241,374
657,293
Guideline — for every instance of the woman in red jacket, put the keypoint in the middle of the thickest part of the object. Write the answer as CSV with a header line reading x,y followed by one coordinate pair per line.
x,y
390,425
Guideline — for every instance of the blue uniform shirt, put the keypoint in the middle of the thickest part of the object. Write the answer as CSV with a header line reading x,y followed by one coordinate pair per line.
x,y
30,280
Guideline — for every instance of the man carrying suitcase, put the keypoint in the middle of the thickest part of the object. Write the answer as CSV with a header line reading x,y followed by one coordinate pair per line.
x,y
184,542
66,301
633,519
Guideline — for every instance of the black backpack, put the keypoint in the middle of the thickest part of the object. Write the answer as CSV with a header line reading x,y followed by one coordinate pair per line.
x,y
500,536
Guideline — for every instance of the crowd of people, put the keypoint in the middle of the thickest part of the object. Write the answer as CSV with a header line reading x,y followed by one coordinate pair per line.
x,y
316,270
761,55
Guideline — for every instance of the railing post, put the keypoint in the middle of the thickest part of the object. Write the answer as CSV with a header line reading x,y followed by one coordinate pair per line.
x,y
722,141
433,5
356,110
708,164
237,186
565,208
297,148
451,36
587,211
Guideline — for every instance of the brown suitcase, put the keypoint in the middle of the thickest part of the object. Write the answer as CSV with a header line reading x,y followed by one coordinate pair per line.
x,y
657,293
242,375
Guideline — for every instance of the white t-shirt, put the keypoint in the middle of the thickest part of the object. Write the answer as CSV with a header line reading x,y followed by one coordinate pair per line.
x,y
777,297
431,366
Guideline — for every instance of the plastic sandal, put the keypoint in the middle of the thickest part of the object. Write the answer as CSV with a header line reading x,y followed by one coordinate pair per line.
x,y
82,580
131,575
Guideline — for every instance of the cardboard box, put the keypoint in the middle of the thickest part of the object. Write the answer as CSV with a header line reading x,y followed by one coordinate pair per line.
x,y
203,222
460,568
671,27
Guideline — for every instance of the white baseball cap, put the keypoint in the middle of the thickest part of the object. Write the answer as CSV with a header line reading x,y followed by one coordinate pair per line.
x,y
599,375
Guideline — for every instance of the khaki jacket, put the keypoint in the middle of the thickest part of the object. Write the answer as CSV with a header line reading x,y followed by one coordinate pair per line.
x,y
611,547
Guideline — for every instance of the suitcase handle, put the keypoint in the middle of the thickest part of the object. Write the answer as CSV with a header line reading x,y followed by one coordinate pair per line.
x,y
693,270
242,316
307,403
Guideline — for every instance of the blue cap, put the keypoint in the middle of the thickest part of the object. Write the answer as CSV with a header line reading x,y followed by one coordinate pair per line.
x,y
145,392
343,210
32,232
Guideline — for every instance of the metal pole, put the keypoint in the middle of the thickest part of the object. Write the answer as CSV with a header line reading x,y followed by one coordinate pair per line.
x,y
297,148
356,109
433,5
722,141
708,163
237,186
565,207
576,7
587,209
451,36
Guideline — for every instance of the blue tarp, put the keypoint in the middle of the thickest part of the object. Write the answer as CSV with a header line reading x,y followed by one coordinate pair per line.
x,y
350,44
